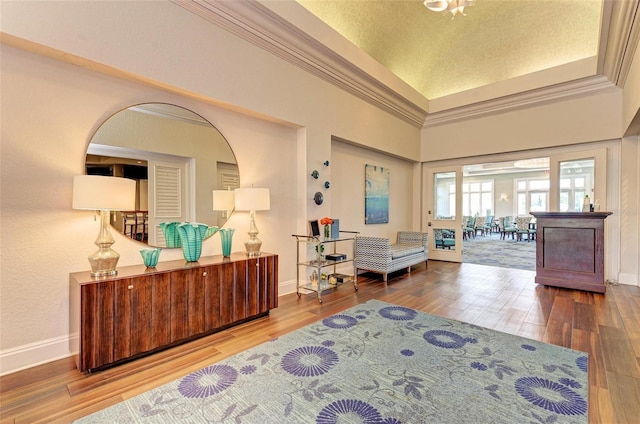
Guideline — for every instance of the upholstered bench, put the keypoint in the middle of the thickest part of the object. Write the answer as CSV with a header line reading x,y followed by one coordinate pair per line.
x,y
378,254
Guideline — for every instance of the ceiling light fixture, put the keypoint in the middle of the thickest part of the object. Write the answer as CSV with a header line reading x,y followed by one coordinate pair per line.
x,y
446,6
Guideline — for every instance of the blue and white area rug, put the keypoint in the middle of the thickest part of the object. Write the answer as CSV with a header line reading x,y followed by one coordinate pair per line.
x,y
376,363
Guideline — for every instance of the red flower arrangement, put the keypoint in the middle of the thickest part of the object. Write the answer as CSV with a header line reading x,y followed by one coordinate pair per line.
x,y
326,221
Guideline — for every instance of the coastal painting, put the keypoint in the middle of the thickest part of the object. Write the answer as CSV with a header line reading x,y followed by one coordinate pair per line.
x,y
376,195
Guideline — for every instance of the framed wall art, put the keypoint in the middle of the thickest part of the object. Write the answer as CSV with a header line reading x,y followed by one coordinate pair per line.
x,y
376,195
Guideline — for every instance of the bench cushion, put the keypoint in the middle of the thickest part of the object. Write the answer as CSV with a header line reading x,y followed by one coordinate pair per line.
x,y
402,250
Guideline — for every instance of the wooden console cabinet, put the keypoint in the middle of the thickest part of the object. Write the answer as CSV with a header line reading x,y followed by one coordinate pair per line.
x,y
140,311
570,249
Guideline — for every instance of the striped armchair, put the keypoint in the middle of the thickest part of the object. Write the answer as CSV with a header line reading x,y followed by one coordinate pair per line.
x,y
377,254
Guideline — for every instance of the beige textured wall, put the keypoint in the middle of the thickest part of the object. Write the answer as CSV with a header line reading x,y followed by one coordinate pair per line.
x,y
50,109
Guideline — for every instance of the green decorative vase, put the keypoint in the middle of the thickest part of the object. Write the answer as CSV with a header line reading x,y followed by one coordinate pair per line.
x,y
150,257
171,235
191,236
226,235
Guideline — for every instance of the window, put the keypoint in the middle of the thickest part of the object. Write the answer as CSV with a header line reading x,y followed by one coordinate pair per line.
x,y
576,181
532,195
477,198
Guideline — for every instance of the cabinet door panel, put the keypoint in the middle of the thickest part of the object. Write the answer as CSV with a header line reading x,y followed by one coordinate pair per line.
x,y
240,288
142,315
197,280
97,326
227,278
179,305
253,283
212,298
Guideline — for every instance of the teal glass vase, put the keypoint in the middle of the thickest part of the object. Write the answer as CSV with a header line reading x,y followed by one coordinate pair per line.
x,y
171,235
150,257
226,235
191,236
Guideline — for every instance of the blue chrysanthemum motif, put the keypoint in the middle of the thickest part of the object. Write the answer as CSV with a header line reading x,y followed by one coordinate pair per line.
x,y
398,313
583,363
551,396
445,339
349,410
248,369
570,383
328,343
208,381
407,352
309,361
479,366
340,321
528,347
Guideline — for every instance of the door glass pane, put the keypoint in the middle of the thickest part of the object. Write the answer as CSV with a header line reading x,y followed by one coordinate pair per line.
x,y
444,202
444,238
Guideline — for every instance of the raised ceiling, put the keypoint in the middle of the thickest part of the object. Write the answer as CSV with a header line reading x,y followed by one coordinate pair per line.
x,y
495,42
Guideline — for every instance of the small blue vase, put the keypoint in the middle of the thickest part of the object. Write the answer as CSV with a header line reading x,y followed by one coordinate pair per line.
x,y
171,236
226,235
191,236
150,257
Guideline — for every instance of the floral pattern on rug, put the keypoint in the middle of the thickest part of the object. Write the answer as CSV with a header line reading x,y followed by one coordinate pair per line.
x,y
376,363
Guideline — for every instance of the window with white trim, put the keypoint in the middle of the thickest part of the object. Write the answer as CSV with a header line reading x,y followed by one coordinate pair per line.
x,y
477,198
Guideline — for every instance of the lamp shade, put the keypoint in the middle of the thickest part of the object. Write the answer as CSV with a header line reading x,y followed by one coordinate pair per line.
x,y
97,192
223,200
252,199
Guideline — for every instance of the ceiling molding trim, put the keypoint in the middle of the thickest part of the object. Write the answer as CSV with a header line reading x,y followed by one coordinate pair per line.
x,y
578,88
623,35
265,29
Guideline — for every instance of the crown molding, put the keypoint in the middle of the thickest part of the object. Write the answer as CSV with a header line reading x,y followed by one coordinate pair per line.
x,y
623,34
263,27
257,24
573,89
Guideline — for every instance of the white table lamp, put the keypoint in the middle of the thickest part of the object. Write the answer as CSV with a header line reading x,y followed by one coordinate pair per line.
x,y
252,199
223,200
104,194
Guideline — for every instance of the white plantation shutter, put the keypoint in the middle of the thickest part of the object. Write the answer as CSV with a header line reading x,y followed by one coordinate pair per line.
x,y
168,192
167,197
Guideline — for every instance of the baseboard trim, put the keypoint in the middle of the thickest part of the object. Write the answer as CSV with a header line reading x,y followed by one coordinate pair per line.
x,y
629,279
33,354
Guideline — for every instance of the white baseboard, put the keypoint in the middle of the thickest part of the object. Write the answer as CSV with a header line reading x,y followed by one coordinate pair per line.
x,y
286,287
30,355
629,279
33,354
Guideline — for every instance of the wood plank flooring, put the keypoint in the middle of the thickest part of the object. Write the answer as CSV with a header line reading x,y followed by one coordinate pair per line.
x,y
605,326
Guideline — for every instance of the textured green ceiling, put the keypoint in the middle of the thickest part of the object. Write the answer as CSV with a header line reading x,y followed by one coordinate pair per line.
x,y
496,40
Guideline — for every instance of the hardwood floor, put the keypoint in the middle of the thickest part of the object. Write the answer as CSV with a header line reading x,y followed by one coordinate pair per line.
x,y
605,326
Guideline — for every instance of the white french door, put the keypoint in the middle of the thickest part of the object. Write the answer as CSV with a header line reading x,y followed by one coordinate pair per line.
x,y
443,207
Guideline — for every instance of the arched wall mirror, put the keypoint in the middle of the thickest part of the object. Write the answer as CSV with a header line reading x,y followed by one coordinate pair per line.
x,y
177,159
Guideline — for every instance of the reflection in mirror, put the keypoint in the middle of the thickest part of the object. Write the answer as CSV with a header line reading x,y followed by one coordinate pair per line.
x,y
177,159
445,238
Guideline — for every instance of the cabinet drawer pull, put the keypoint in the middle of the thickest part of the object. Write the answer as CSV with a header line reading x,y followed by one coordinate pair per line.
x,y
204,274
130,286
